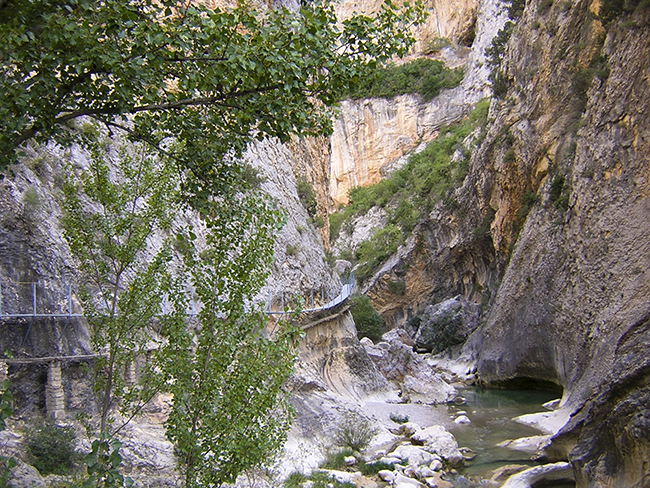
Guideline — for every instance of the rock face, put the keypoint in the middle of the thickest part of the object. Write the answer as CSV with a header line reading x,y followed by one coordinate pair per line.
x,y
553,234
446,324
370,135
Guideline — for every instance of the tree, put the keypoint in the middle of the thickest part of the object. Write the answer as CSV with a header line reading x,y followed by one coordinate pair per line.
x,y
226,373
110,215
208,78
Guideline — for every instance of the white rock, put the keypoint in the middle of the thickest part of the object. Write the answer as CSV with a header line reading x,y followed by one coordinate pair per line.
x,y
408,429
436,465
386,475
553,404
389,460
462,420
350,460
366,342
402,481
425,472
415,455
428,391
526,444
437,440
532,476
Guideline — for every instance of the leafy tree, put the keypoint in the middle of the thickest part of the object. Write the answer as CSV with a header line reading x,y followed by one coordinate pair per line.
x,y
229,413
207,77
110,214
368,322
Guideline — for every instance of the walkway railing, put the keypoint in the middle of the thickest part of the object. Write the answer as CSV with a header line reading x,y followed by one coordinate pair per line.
x,y
34,299
344,293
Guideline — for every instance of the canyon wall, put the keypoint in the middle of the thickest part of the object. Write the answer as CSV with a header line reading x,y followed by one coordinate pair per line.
x,y
551,233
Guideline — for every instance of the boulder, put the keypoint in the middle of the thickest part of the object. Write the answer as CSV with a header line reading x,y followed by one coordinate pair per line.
x,y
548,472
526,444
402,481
400,335
436,481
386,475
446,324
416,456
437,439
462,420
407,429
428,389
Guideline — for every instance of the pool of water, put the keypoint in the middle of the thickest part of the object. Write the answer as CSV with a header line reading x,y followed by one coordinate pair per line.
x,y
491,412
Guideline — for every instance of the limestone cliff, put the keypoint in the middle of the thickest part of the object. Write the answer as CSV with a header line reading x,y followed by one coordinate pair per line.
x,y
372,135
552,233
574,297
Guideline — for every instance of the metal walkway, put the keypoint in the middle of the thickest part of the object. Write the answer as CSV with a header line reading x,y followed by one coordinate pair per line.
x,y
24,297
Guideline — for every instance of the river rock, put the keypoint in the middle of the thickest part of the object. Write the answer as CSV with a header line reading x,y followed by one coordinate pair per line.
x,y
436,481
437,439
407,429
462,420
402,481
548,472
501,474
526,444
386,475
416,456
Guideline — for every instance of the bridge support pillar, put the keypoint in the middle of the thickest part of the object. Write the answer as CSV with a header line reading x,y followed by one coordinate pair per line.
x,y
54,396
130,375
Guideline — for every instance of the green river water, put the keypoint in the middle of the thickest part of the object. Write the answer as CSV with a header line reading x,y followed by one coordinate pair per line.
x,y
491,412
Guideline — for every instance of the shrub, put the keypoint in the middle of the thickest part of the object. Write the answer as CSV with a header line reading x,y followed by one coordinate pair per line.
x,y
307,197
369,323
354,432
51,448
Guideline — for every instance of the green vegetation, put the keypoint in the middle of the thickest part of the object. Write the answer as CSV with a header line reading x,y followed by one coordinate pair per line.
x,y
307,197
209,79
336,459
371,469
559,192
354,432
6,463
52,448
320,479
196,84
423,76
369,323
410,193
610,10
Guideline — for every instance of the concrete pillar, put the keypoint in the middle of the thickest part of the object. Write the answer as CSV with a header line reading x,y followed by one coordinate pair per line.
x,y
130,376
54,397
